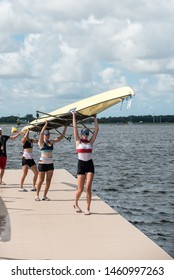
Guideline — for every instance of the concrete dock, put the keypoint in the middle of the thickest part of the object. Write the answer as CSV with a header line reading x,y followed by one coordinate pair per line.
x,y
53,230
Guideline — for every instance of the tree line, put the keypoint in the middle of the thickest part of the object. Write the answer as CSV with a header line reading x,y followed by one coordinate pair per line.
x,y
139,119
105,120
16,119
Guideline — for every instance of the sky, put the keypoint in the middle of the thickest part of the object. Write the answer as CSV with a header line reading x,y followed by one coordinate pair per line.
x,y
54,53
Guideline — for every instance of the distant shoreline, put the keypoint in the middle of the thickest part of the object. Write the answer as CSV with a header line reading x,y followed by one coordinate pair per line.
x,y
143,119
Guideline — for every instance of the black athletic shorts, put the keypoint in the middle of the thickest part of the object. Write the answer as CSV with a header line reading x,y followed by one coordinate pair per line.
x,y
28,161
42,167
84,167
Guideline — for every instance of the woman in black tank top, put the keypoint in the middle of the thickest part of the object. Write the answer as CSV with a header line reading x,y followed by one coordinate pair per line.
x,y
28,161
46,166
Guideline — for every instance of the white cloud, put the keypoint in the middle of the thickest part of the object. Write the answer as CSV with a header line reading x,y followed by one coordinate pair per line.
x,y
56,52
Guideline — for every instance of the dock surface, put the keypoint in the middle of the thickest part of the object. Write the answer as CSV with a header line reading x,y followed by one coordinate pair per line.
x,y
52,230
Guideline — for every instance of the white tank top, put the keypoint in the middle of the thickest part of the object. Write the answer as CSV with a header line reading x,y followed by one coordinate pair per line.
x,y
84,150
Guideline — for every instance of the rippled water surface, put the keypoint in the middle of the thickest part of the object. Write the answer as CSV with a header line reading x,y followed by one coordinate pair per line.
x,y
134,174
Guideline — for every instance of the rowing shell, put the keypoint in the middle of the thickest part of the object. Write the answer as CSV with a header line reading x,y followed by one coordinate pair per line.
x,y
84,109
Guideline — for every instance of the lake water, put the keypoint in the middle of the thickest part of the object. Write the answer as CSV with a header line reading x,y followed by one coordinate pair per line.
x,y
134,167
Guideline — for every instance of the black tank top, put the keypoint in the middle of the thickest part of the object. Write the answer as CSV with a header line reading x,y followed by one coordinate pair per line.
x,y
47,147
28,145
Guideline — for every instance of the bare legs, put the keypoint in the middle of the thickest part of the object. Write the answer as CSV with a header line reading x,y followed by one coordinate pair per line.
x,y
81,182
49,175
25,172
34,169
1,176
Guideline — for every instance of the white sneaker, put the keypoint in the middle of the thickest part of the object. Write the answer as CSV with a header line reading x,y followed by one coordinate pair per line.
x,y
33,190
87,212
22,190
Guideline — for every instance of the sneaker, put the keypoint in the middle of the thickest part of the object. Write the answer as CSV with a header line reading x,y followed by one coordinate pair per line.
x,y
87,212
46,198
22,190
2,183
77,209
33,189
37,198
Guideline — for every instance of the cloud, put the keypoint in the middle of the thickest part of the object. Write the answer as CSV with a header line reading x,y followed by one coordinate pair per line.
x,y
53,53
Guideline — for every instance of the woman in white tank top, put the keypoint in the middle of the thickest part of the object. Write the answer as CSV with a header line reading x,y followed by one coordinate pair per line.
x,y
85,168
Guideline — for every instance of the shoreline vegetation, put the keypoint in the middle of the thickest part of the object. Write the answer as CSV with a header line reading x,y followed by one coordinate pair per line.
x,y
143,119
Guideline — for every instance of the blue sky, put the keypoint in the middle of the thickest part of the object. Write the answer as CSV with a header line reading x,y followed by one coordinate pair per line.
x,y
53,53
